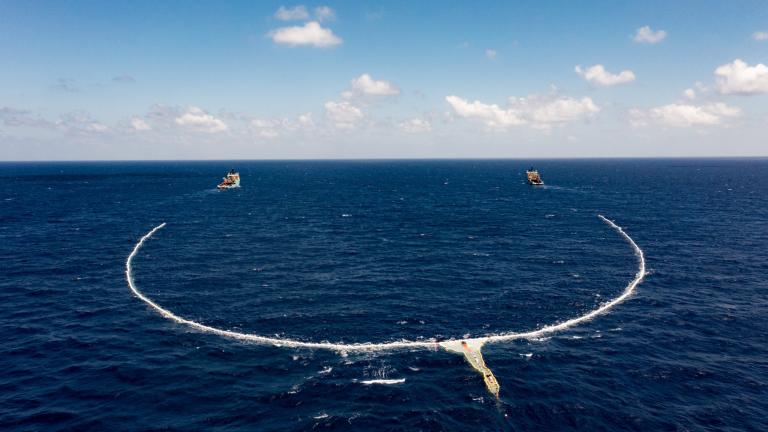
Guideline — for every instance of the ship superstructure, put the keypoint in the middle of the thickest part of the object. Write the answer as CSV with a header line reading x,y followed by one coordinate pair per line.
x,y
534,178
232,180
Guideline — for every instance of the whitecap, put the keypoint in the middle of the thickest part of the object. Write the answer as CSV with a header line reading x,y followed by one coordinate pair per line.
x,y
383,381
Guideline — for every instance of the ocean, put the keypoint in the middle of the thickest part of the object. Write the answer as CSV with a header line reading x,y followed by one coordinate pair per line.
x,y
378,252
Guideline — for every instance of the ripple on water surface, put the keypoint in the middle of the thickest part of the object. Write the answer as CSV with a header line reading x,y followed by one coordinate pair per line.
x,y
378,251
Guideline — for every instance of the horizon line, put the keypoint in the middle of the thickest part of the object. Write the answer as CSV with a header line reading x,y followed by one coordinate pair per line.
x,y
382,159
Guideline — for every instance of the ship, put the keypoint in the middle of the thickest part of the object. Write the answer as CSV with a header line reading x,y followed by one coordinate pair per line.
x,y
534,178
232,180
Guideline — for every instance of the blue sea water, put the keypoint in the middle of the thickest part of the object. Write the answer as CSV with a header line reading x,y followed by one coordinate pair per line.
x,y
380,251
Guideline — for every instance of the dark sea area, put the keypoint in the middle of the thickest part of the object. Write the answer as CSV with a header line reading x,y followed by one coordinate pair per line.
x,y
381,251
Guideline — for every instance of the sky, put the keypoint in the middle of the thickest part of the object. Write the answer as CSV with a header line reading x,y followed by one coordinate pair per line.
x,y
135,80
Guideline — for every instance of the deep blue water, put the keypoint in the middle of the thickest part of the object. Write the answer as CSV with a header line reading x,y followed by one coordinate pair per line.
x,y
376,252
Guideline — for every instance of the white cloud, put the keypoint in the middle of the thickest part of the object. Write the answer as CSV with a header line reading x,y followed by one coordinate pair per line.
x,y
74,122
415,125
546,111
598,75
541,112
491,114
365,85
267,128
139,124
306,121
689,94
199,120
95,127
22,118
685,115
272,128
296,13
324,13
343,114
79,122
740,78
647,35
311,33
162,114
760,36
491,54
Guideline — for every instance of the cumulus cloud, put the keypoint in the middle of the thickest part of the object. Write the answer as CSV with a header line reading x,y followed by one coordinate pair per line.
x,y
273,128
168,122
311,34
296,13
541,112
139,124
73,122
79,122
689,94
95,127
491,114
598,75
685,115
306,121
760,36
415,125
300,13
740,78
162,116
197,119
365,85
22,118
343,115
267,128
324,13
646,35
544,111
491,54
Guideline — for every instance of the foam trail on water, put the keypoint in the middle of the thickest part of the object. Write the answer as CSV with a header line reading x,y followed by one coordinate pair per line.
x,y
605,307
405,344
383,381
247,336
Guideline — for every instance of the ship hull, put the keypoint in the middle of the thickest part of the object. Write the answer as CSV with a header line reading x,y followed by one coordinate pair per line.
x,y
533,178
229,186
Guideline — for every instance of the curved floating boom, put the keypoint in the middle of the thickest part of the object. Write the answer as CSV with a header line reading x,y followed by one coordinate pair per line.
x,y
470,348
165,313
